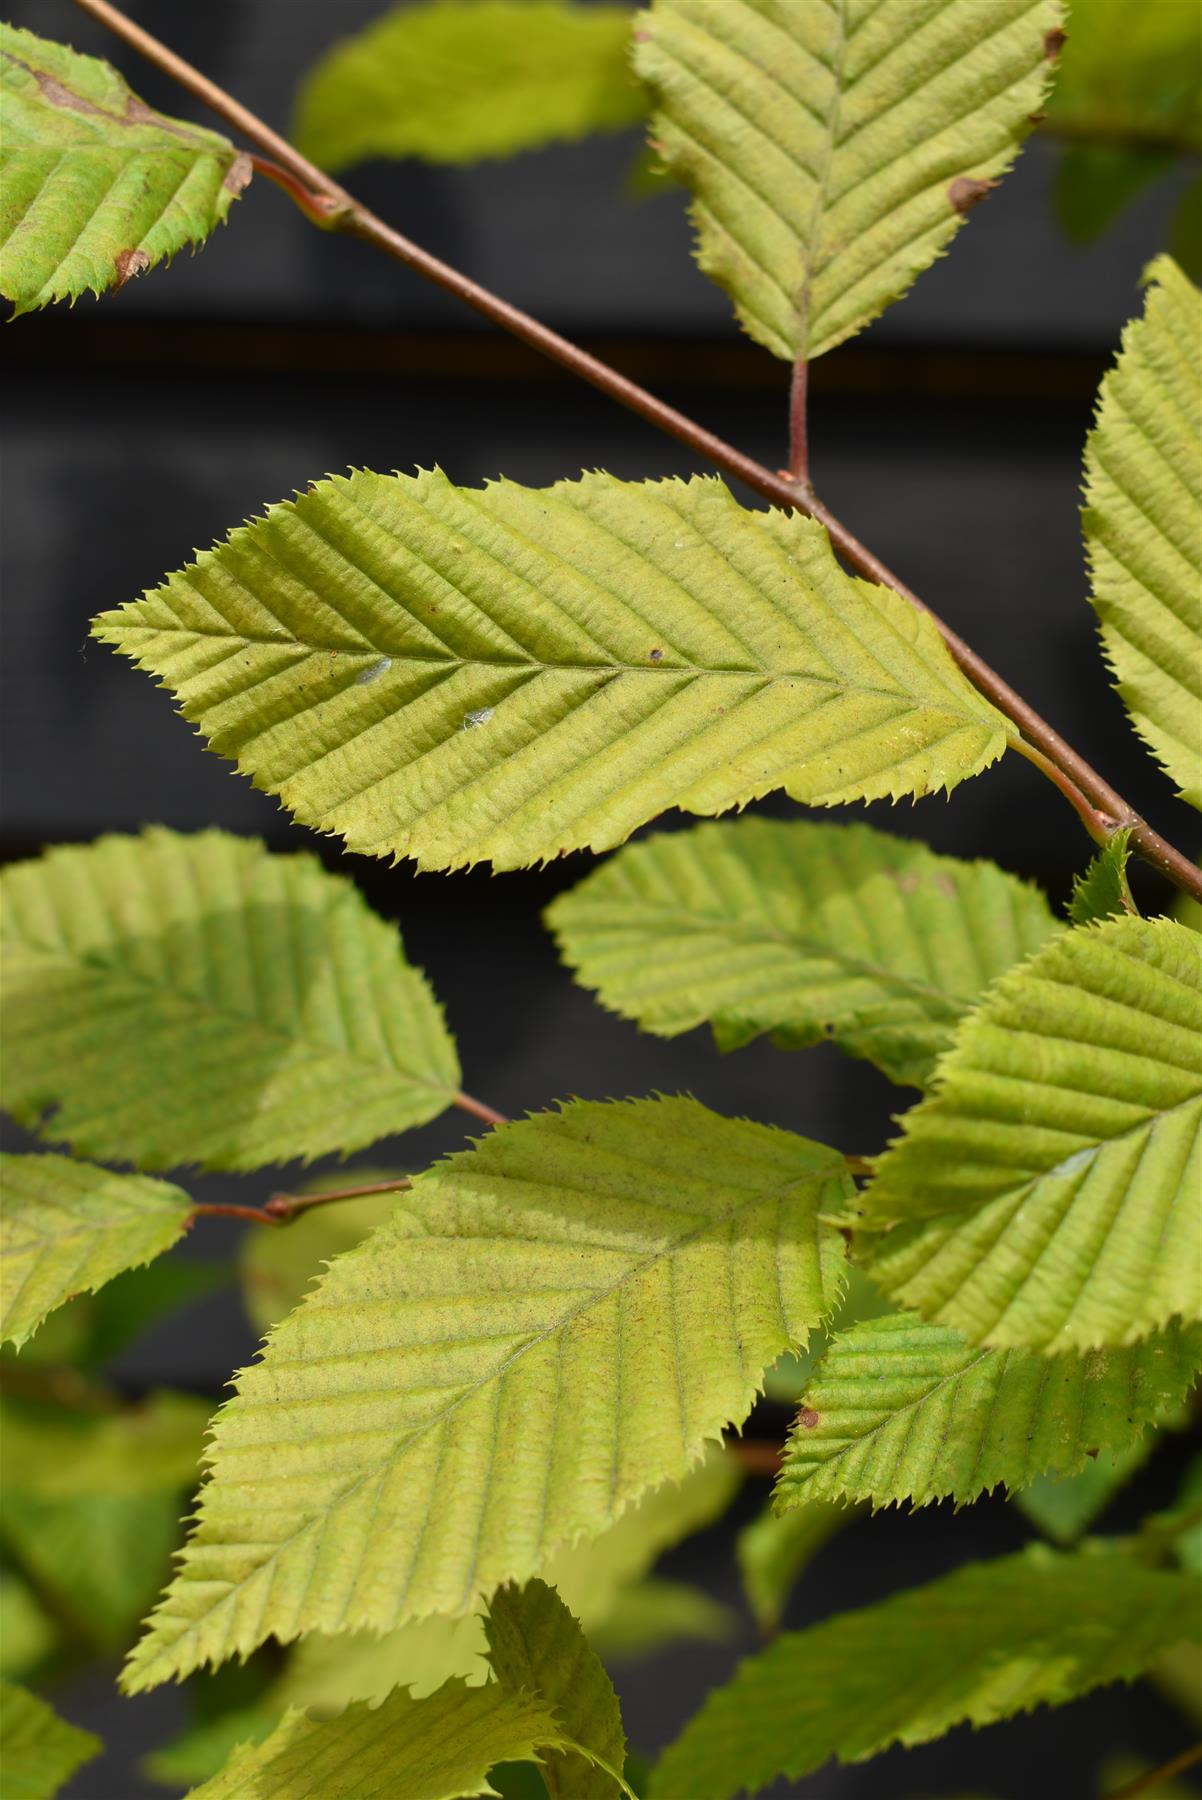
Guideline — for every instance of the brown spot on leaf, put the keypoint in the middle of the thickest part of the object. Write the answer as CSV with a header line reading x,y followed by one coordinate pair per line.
x,y
655,655
946,886
908,882
808,1417
238,173
967,191
1054,42
130,263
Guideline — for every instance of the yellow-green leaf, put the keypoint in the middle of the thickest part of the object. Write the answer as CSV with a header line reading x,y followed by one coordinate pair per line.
x,y
67,1226
197,999
990,1640
833,147
560,1321
1143,523
455,81
510,673
95,187
39,1752
775,1547
806,930
898,1410
1045,1196
440,1748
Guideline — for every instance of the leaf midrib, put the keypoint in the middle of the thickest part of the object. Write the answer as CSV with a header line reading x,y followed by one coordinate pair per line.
x,y
594,1296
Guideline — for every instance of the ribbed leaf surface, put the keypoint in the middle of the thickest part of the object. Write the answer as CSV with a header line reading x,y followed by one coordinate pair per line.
x,y
510,673
1046,1195
901,1410
454,81
1143,523
833,147
1103,892
561,1320
196,999
988,1641
94,186
39,1751
535,1645
67,1226
440,1748
805,930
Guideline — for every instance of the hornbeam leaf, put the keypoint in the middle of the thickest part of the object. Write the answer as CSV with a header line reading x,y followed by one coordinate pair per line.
x,y
558,1322
774,1549
197,999
440,1748
806,930
38,1750
511,673
833,149
68,1226
990,1640
1063,1507
1103,892
1143,523
454,82
96,187
1045,1196
534,1643
901,1410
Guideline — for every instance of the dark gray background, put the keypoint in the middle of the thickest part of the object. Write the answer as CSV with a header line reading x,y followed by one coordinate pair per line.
x,y
948,436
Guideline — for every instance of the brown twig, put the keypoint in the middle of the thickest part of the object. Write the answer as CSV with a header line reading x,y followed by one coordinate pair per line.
x,y
1155,1778
1080,782
220,1209
282,1207
799,427
480,1110
756,1455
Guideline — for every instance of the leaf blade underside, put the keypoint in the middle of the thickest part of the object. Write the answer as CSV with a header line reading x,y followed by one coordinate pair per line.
x,y
506,674
1143,524
66,1227
988,1641
96,187
380,1462
1045,1196
833,150
803,929
898,1410
199,999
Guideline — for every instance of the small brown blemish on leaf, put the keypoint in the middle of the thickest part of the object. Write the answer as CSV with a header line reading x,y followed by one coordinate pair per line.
x,y
655,655
946,886
1054,42
808,1417
908,882
238,174
128,264
967,191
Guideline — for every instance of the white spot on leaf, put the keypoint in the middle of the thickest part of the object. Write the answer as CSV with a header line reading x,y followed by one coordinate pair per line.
x,y
472,719
366,676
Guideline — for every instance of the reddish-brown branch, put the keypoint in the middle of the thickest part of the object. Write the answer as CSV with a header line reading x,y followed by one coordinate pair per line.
x,y
1154,1779
1080,782
479,1110
282,1207
756,1456
799,426
219,1209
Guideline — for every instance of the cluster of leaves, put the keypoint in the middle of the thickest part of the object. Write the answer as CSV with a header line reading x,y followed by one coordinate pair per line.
x,y
510,1377
453,81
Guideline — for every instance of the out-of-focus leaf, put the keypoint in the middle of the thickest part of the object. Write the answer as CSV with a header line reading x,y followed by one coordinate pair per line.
x,y
38,1750
28,1635
277,1267
774,1549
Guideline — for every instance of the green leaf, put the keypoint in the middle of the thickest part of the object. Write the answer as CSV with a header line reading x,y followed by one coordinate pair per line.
x,y
651,1614
1143,523
91,1503
833,150
1062,1507
566,1316
197,999
774,1549
901,1410
1045,1196
277,1267
1130,75
96,186
40,1751
1095,183
806,930
534,1644
990,1640
455,81
67,1226
510,673
1102,891
28,1635
436,1749
1185,236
